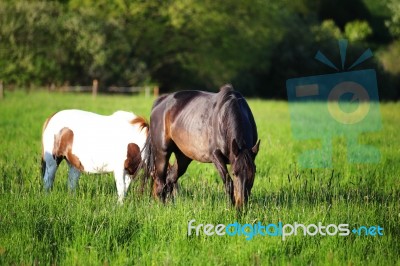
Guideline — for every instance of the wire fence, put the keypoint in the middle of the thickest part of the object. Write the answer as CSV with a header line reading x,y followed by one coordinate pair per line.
x,y
148,91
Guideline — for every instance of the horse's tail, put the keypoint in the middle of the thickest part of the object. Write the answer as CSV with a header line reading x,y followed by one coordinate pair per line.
x,y
148,162
43,163
148,157
43,166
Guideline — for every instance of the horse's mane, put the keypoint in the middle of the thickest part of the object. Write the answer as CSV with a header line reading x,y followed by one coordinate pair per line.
x,y
227,95
228,104
246,159
231,104
225,92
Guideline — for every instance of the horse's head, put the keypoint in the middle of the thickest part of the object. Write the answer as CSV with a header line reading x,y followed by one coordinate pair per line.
x,y
243,170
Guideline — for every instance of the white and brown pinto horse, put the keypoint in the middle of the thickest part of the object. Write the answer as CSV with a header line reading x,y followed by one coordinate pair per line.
x,y
93,143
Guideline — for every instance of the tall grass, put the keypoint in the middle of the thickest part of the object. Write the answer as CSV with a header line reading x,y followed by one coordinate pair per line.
x,y
88,227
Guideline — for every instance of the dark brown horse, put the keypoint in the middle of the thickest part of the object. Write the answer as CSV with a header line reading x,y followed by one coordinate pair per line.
x,y
216,128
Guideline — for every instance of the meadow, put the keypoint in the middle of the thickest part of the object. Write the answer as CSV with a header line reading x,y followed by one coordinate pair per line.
x,y
88,227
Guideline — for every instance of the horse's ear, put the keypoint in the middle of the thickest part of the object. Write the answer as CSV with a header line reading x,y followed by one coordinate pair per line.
x,y
256,148
235,147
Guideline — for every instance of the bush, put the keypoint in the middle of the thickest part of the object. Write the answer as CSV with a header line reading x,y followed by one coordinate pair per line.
x,y
357,31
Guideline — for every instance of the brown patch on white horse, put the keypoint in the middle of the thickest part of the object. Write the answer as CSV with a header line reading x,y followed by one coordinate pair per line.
x,y
133,158
63,147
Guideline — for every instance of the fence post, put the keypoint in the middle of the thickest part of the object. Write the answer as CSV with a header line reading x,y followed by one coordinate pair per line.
x,y
156,91
147,92
95,87
1,90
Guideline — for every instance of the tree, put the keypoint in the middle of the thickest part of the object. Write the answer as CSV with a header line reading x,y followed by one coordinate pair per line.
x,y
29,52
394,23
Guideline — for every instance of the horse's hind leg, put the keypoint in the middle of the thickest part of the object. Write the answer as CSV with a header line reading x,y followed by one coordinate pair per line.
x,y
177,170
73,177
159,184
49,168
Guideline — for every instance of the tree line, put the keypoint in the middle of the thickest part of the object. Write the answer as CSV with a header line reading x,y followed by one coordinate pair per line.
x,y
187,44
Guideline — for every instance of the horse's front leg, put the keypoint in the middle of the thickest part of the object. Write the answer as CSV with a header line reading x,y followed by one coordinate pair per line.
x,y
127,180
119,176
219,162
73,177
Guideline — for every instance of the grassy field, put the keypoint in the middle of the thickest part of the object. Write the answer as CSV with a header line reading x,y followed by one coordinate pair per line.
x,y
89,228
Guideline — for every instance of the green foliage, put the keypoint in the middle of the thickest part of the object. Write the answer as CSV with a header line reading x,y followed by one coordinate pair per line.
x,y
357,31
45,42
255,45
390,58
89,228
226,38
329,29
28,47
394,22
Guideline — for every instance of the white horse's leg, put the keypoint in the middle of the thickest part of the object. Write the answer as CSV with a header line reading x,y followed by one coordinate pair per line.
x,y
73,177
50,170
127,179
120,183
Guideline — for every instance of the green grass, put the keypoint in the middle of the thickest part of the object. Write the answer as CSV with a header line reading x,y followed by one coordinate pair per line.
x,y
88,227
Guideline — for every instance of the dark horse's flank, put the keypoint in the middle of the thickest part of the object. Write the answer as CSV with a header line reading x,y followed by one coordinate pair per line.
x,y
216,128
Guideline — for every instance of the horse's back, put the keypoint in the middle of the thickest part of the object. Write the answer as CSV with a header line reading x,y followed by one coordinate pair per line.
x,y
87,121
180,100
